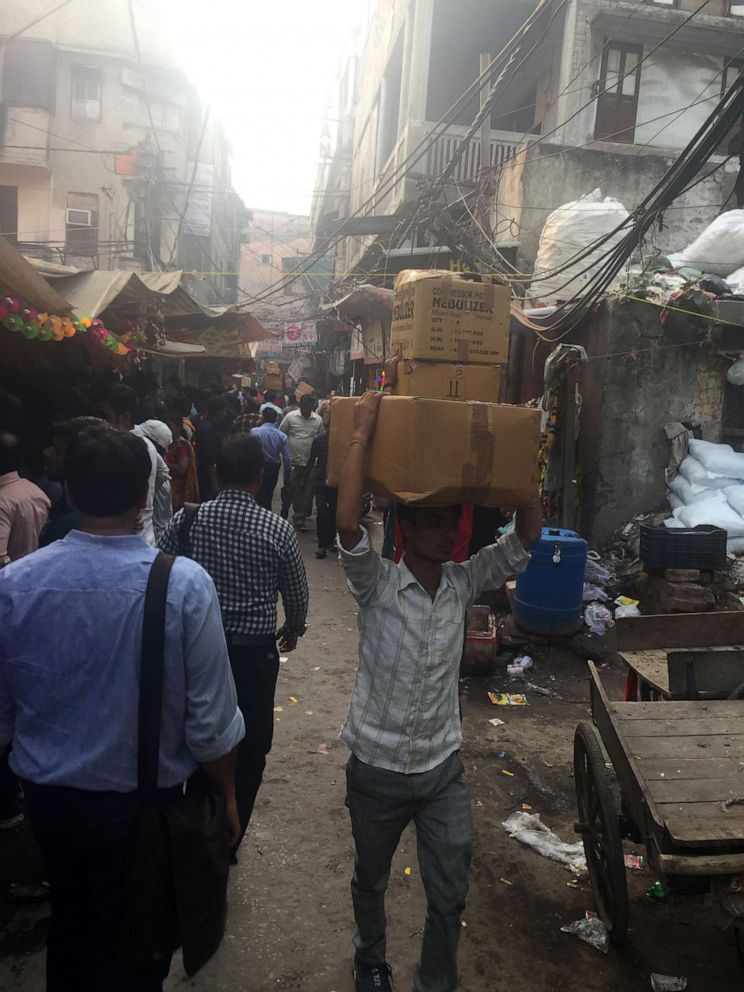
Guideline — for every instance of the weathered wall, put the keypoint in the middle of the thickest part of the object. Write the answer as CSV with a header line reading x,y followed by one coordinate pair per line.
x,y
657,375
549,175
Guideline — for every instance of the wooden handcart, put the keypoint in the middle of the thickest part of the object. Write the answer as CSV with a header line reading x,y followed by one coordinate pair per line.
x,y
680,768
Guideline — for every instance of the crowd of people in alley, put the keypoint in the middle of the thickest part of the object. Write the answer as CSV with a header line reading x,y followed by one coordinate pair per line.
x,y
105,483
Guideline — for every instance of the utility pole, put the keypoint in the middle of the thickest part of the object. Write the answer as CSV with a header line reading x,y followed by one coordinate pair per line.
x,y
485,128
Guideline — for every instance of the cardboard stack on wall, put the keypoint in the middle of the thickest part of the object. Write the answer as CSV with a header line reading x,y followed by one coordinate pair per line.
x,y
273,376
452,334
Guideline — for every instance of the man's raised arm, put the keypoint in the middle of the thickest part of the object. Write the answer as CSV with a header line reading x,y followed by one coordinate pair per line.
x,y
351,484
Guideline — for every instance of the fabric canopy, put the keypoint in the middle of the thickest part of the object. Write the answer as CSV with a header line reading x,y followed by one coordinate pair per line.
x,y
365,302
19,277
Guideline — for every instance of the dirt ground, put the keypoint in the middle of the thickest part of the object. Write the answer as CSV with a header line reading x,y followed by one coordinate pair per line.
x,y
290,908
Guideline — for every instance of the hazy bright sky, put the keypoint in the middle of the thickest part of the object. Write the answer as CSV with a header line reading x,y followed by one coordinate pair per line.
x,y
266,67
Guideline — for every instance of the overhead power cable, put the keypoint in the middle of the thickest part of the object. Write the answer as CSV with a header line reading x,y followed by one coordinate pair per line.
x,y
679,175
418,152
31,24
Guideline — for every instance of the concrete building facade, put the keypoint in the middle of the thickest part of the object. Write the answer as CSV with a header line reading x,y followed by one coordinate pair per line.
x,y
109,162
585,102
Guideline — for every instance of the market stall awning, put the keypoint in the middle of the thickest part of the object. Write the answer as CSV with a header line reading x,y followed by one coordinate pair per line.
x,y
19,278
364,303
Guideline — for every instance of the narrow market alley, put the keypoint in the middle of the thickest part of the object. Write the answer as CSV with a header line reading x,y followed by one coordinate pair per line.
x,y
290,920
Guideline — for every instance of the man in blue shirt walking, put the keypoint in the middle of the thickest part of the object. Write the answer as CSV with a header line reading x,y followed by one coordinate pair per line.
x,y
71,619
275,447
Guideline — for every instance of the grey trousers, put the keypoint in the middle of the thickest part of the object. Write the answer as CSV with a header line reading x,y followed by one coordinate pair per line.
x,y
381,804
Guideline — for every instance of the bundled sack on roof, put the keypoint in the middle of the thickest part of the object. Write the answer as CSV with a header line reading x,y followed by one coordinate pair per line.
x,y
720,247
567,231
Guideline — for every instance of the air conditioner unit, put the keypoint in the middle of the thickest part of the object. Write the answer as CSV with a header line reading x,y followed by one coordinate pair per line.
x,y
78,218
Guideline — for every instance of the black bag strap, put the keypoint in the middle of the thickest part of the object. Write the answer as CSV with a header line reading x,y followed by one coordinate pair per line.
x,y
151,678
184,531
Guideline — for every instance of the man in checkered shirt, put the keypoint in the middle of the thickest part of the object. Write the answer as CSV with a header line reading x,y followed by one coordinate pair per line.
x,y
252,556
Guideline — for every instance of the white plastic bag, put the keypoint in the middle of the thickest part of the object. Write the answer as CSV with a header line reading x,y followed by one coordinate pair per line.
x,y
598,619
698,475
529,829
567,230
718,459
735,280
735,374
674,501
719,248
592,931
671,523
735,497
626,611
715,513
735,546
688,492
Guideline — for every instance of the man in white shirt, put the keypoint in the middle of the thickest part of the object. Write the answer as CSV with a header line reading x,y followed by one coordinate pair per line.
x,y
403,727
123,401
301,427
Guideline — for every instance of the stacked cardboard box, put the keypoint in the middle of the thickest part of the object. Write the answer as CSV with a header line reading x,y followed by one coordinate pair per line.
x,y
452,333
273,376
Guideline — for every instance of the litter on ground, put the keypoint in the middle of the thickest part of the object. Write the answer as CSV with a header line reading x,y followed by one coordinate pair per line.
x,y
530,830
591,930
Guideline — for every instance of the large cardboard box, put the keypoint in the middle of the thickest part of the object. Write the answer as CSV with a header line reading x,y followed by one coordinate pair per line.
x,y
442,452
441,316
449,381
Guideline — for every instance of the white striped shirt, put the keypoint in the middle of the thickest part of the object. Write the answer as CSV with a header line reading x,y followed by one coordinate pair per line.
x,y
405,712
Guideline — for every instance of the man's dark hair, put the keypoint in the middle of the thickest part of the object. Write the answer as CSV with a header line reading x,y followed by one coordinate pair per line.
x,y
107,471
240,460
269,415
216,404
123,399
307,400
65,430
10,452
269,395
411,511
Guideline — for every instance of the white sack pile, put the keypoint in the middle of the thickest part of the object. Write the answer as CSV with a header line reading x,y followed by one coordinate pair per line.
x,y
567,230
709,489
719,249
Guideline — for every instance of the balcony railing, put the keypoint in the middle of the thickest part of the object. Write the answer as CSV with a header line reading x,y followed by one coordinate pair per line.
x,y
502,146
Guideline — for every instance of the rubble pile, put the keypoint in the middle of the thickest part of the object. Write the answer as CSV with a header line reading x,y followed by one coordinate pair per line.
x,y
687,590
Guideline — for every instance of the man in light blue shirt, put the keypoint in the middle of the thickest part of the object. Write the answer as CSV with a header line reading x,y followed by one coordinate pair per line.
x,y
70,644
275,446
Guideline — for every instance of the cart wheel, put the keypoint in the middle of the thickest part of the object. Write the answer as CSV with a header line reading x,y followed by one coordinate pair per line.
x,y
600,831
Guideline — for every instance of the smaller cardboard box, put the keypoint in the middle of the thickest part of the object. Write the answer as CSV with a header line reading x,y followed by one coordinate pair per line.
x,y
273,368
304,389
443,452
442,316
448,381
272,381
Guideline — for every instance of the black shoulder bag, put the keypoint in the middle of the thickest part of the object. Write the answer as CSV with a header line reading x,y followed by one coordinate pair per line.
x,y
177,893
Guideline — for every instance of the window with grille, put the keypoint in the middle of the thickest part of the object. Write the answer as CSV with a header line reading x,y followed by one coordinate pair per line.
x,y
86,93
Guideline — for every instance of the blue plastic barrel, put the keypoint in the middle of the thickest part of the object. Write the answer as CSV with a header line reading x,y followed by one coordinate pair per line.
x,y
548,598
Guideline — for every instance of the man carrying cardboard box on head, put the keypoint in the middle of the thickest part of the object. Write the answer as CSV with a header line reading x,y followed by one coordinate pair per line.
x,y
403,727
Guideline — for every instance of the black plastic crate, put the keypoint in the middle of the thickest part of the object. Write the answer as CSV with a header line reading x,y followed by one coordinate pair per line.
x,y
688,547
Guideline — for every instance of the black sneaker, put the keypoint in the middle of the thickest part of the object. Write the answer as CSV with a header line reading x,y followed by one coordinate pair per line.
x,y
321,553
373,977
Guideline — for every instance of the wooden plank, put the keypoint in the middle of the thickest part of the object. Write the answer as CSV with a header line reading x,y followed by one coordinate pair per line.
x,y
681,709
682,727
701,864
687,747
651,666
681,630
703,824
678,769
636,800
712,790
711,673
